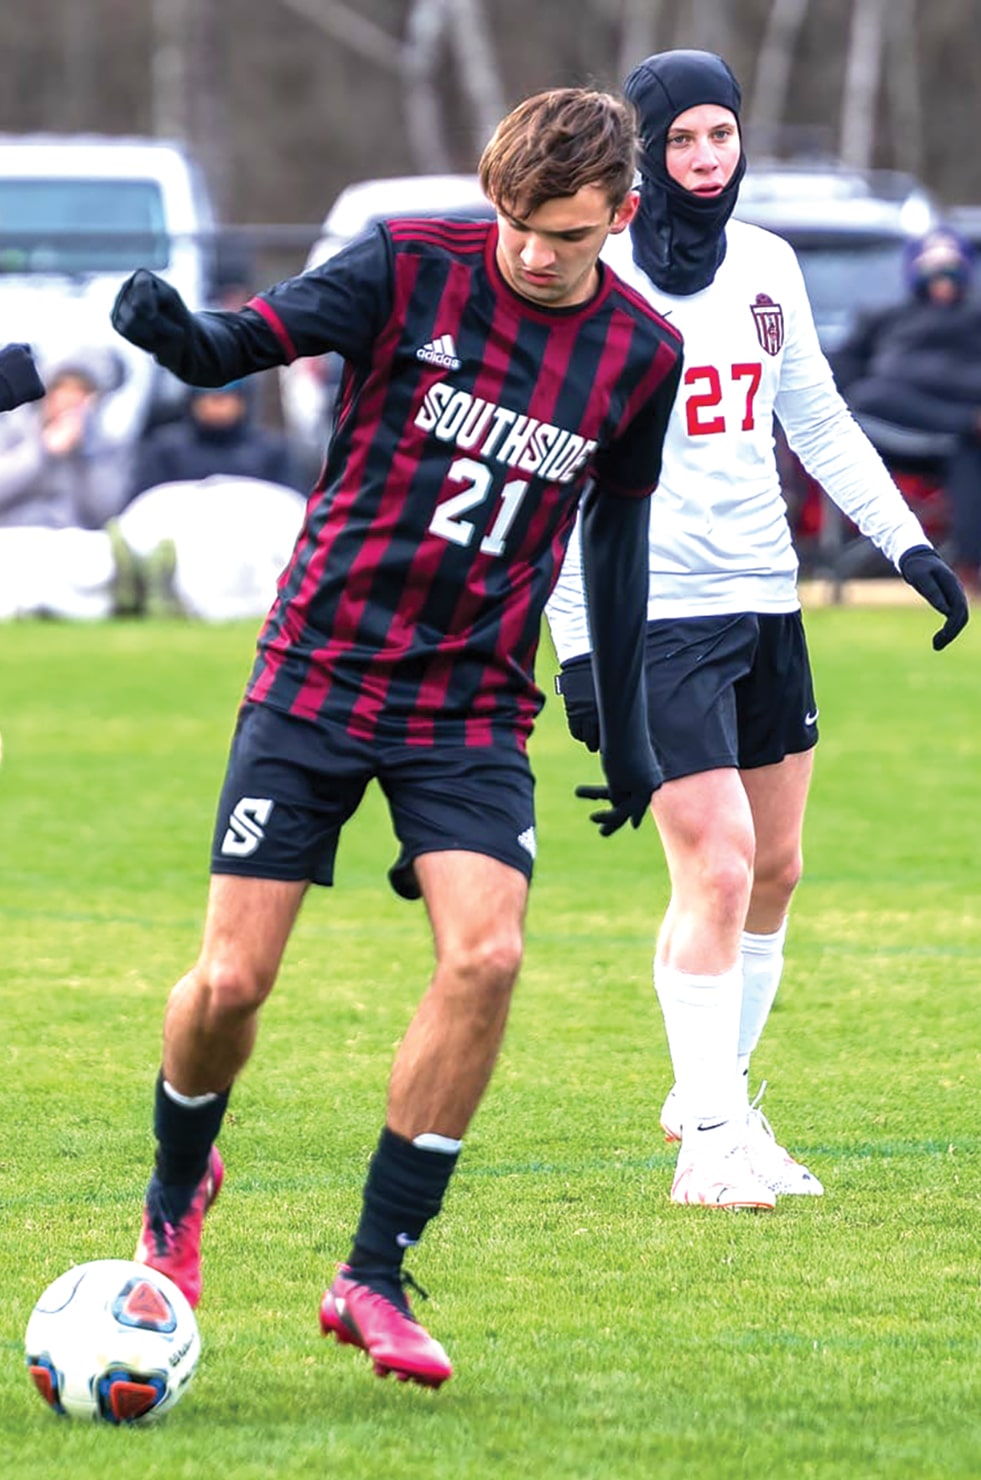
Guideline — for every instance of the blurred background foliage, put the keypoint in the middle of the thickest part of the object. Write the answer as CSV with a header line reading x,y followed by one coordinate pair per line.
x,y
286,101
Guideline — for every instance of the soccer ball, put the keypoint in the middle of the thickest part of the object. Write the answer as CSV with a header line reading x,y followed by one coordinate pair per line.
x,y
112,1340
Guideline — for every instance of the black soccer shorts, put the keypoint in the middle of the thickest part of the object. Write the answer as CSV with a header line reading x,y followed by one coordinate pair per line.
x,y
291,785
733,690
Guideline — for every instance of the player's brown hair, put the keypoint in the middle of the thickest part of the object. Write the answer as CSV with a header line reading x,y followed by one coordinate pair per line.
x,y
554,143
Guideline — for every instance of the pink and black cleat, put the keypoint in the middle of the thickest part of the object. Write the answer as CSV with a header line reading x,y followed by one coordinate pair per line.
x,y
175,1248
359,1315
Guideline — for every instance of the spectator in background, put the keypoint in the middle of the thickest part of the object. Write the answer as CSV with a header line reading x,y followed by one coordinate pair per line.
x,y
216,435
58,469
911,374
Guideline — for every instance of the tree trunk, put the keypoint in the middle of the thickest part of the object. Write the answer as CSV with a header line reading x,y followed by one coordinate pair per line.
x,y
711,27
768,105
903,85
862,83
479,72
639,29
425,33
79,38
169,87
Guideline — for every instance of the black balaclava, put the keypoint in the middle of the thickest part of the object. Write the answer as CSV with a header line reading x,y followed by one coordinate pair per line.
x,y
679,238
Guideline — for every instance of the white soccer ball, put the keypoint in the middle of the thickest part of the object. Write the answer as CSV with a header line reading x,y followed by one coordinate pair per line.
x,y
112,1340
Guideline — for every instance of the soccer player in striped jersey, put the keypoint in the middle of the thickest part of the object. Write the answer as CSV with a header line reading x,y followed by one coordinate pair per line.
x,y
732,711
493,372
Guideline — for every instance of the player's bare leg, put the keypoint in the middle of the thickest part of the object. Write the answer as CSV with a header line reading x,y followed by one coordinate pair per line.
x,y
476,908
209,1031
777,796
706,830
211,1018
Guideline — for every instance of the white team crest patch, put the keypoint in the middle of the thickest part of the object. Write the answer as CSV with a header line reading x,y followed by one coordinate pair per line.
x,y
768,317
527,841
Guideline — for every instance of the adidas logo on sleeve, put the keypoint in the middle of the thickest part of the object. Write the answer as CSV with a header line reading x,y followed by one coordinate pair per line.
x,y
440,351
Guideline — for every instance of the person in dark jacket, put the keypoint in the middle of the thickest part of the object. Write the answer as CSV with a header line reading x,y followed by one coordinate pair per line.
x,y
911,374
217,435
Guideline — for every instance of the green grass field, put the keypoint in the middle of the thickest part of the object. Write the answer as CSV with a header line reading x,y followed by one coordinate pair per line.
x,y
597,1330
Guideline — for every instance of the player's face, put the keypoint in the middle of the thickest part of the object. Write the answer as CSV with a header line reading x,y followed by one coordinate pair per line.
x,y
702,149
549,256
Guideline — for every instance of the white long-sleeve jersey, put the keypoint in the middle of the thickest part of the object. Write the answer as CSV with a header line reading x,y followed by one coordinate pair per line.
x,y
719,537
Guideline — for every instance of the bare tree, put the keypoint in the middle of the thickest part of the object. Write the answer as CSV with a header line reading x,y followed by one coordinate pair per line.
x,y
169,79
415,61
480,74
425,35
863,67
711,26
768,105
903,85
78,35
208,105
352,30
640,26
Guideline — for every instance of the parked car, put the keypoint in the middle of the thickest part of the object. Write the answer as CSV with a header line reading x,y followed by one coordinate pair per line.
x,y
308,387
77,214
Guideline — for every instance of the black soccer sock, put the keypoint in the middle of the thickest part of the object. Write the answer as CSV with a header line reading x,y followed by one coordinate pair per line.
x,y
185,1135
404,1190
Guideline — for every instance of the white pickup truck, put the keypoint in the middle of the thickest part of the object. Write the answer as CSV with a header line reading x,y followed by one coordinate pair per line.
x,y
77,214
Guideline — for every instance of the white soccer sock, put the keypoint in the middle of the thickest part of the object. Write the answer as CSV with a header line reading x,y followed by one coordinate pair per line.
x,y
701,1019
761,957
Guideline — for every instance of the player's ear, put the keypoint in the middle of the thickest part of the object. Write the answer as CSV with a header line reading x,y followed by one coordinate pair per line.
x,y
625,212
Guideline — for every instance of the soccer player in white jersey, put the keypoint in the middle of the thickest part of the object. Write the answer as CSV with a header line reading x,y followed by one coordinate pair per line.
x,y
731,705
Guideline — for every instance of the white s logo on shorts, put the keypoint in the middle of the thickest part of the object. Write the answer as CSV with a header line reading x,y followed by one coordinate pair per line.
x,y
245,829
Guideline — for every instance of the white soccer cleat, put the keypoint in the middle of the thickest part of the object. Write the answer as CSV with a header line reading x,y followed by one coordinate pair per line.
x,y
671,1116
729,1180
772,1162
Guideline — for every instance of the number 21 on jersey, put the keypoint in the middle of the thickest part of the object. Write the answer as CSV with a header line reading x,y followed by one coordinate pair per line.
x,y
448,521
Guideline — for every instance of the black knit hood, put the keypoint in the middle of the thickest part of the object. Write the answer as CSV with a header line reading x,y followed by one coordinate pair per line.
x,y
679,238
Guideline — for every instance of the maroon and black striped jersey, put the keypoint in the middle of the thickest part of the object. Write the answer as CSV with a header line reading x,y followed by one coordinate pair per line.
x,y
468,423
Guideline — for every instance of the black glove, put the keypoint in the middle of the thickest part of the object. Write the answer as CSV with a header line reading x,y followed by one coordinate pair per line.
x,y
575,684
19,380
153,315
625,806
922,568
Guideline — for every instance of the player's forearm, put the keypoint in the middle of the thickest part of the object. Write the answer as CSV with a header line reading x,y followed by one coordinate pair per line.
x,y
206,349
221,347
615,568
